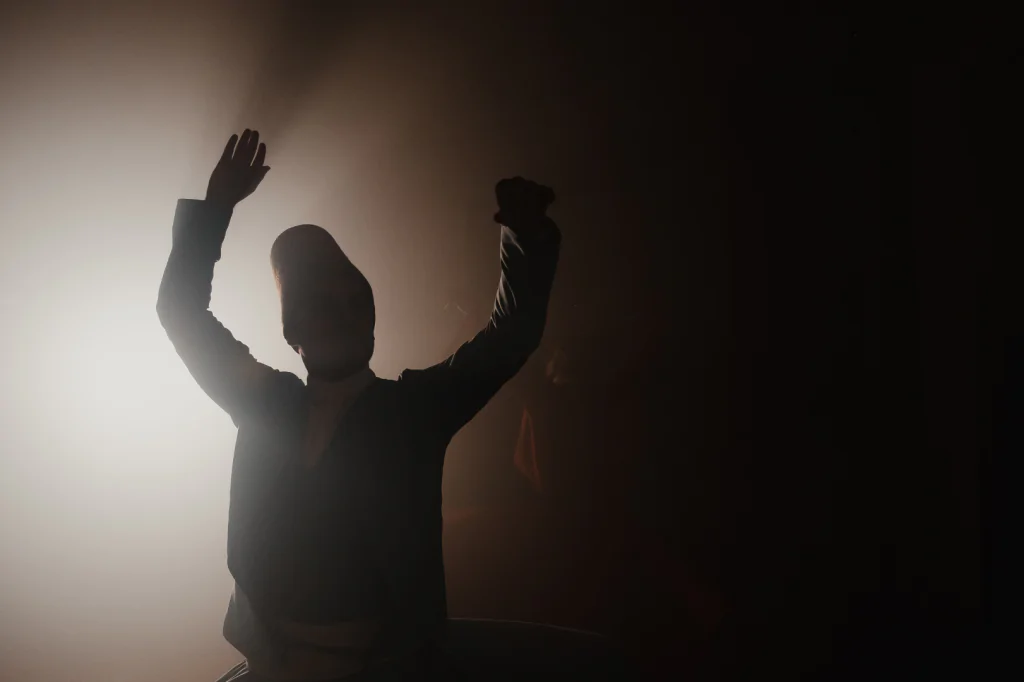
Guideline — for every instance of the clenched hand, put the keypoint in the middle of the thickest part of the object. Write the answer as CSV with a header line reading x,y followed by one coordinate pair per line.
x,y
522,202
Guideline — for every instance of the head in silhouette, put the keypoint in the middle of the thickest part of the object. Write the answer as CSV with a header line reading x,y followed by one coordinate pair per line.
x,y
326,304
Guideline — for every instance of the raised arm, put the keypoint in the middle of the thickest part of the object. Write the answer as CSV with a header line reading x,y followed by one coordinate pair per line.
x,y
221,365
456,389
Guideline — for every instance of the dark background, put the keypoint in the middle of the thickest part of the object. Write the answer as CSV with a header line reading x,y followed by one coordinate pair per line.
x,y
805,494
785,312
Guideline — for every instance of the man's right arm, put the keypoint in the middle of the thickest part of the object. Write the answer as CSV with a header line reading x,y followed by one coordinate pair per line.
x,y
222,366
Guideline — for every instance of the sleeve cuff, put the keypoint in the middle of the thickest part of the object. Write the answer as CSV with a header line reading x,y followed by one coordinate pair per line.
x,y
200,225
534,233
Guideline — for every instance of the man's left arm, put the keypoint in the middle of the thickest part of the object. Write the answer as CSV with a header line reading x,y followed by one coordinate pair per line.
x,y
459,387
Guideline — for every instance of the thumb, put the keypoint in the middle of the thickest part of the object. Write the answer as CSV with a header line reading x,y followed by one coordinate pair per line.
x,y
256,179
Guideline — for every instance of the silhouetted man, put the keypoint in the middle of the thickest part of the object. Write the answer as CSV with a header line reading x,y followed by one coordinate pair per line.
x,y
334,527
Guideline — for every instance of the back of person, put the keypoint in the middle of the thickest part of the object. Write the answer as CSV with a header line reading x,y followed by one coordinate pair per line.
x,y
334,525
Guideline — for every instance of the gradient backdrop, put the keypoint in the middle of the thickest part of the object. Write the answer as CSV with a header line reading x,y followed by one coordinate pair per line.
x,y
767,405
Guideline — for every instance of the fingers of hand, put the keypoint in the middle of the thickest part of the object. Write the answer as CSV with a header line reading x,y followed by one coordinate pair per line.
x,y
247,148
261,155
261,172
523,194
253,150
548,194
508,187
229,150
243,146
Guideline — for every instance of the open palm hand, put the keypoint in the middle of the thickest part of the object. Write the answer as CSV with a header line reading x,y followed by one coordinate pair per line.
x,y
239,171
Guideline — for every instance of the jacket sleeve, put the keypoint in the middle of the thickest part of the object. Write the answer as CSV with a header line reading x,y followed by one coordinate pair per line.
x,y
456,389
222,366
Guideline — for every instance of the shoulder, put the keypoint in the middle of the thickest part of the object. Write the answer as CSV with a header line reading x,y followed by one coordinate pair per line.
x,y
277,398
420,388
409,384
288,380
284,387
422,381
412,377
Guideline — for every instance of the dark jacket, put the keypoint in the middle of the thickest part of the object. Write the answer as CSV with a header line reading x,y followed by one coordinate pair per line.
x,y
358,537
